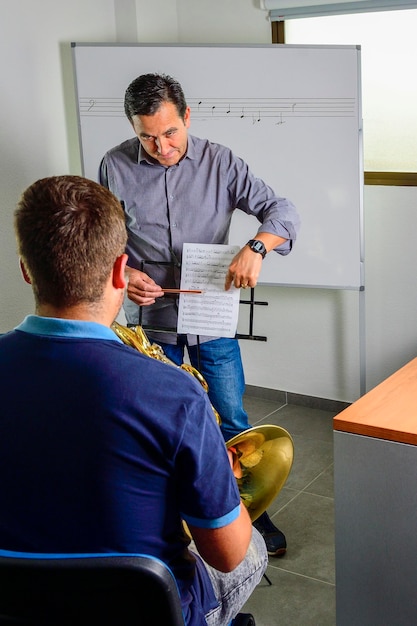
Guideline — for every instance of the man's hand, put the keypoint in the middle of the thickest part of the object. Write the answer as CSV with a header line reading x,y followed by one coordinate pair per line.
x,y
234,463
141,289
244,269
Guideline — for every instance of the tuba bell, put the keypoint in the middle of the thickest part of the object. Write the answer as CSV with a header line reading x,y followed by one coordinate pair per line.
x,y
263,455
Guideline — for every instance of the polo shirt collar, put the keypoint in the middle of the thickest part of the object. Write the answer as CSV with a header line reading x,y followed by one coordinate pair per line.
x,y
58,327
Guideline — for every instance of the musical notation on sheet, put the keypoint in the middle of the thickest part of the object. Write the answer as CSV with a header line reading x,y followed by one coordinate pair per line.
x,y
215,311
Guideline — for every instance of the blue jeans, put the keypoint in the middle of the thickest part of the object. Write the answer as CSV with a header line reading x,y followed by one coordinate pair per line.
x,y
220,363
233,589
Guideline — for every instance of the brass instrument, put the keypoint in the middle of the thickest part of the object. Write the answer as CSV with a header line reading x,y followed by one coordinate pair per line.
x,y
137,338
264,453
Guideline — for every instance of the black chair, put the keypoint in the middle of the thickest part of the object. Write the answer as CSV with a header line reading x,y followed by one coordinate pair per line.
x,y
87,590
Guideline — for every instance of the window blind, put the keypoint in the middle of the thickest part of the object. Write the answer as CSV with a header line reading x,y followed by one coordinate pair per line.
x,y
280,10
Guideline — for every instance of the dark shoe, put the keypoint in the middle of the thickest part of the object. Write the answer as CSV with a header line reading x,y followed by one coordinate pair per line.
x,y
244,619
276,543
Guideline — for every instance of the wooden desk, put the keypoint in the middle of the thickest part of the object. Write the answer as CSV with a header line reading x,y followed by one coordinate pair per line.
x,y
376,505
389,411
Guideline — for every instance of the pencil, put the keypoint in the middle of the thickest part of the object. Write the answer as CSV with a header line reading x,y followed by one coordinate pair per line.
x,y
183,290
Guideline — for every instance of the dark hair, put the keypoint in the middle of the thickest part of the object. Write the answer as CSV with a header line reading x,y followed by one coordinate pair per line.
x,y
146,93
70,230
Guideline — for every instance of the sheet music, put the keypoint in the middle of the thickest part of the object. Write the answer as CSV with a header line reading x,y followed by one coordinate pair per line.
x,y
215,311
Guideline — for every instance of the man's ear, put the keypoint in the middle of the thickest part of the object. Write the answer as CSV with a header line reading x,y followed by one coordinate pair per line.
x,y
25,273
119,267
187,117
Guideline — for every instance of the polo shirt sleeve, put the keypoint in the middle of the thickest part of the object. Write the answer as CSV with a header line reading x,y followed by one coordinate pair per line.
x,y
208,492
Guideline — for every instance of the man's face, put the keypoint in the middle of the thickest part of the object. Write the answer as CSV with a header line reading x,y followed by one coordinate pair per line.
x,y
164,134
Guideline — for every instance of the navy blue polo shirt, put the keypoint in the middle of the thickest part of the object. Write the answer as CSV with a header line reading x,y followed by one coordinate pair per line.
x,y
104,449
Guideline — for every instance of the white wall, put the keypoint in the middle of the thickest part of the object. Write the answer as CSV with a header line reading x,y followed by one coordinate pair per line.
x,y
34,139
313,335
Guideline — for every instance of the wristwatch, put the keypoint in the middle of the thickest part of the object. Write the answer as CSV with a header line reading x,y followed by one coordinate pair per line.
x,y
257,246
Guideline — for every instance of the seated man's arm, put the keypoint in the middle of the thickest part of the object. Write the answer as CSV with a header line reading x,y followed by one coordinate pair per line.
x,y
224,548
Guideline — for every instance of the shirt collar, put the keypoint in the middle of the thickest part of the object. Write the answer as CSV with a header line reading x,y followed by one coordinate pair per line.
x,y
191,151
58,327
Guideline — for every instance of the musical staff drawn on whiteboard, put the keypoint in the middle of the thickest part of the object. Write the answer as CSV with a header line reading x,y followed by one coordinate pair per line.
x,y
254,109
258,109
101,107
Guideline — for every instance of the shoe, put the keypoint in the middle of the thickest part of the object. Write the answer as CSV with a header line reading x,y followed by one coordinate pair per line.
x,y
244,619
276,543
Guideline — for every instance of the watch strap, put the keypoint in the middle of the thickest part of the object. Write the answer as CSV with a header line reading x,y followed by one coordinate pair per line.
x,y
257,246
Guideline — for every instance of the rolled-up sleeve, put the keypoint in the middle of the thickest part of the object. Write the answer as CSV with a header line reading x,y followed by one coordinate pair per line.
x,y
276,214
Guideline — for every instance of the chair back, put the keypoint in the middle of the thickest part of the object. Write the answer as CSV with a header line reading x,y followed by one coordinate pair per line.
x,y
87,590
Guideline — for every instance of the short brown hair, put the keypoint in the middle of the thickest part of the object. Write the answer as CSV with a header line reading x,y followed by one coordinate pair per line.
x,y
70,230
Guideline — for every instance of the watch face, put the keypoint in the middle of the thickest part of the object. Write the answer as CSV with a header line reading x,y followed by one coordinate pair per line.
x,y
257,246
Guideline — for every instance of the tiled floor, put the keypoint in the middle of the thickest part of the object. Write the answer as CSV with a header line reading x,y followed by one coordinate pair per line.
x,y
303,581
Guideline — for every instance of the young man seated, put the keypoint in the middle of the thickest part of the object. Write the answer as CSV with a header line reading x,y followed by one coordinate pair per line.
x,y
102,448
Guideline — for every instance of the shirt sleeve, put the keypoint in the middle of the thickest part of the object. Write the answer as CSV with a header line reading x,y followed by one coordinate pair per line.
x,y
209,496
253,196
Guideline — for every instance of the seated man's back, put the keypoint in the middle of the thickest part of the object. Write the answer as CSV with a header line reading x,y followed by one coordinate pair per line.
x,y
102,448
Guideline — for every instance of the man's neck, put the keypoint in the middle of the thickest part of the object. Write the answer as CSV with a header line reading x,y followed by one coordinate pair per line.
x,y
80,312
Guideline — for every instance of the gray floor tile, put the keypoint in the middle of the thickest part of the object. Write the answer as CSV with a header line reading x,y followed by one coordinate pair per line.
x,y
305,422
259,408
292,600
308,524
323,485
311,458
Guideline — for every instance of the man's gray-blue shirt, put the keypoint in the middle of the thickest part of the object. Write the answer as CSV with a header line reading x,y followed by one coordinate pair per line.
x,y
190,202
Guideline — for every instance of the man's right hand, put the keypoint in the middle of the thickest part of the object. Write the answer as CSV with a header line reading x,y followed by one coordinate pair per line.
x,y
141,289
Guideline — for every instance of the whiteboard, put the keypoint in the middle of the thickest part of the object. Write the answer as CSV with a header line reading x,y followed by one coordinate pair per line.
x,y
293,113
